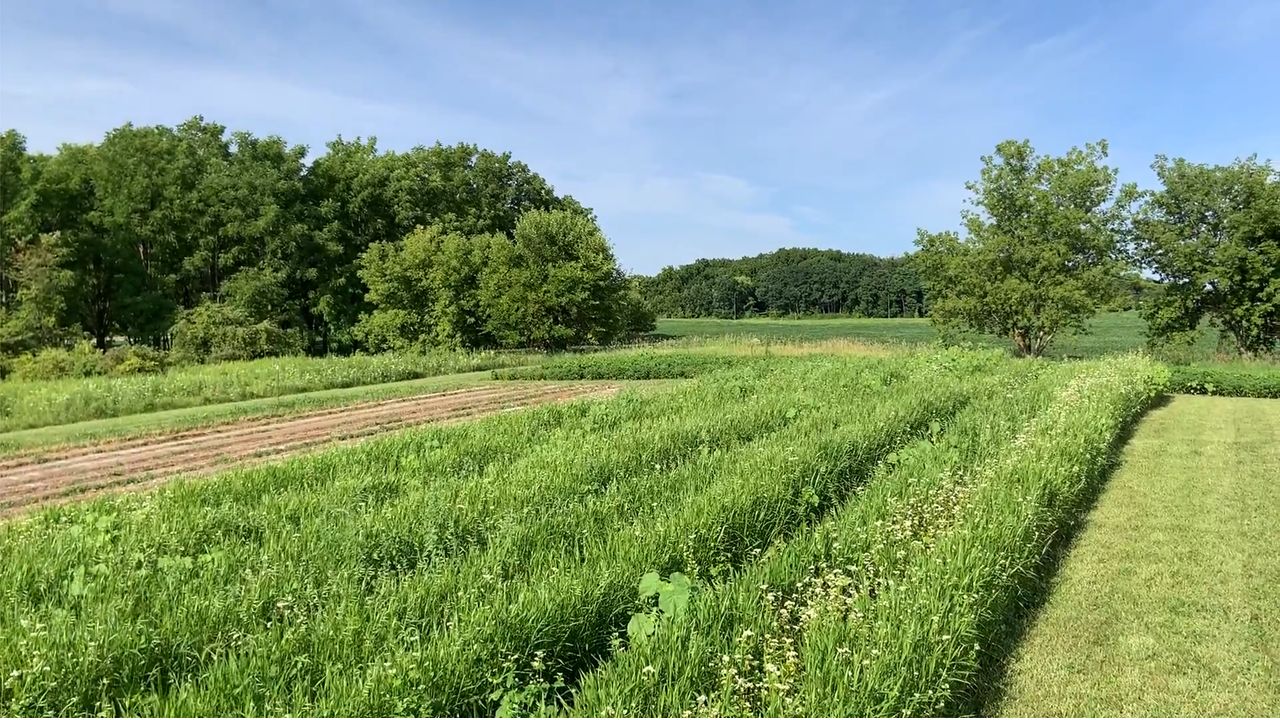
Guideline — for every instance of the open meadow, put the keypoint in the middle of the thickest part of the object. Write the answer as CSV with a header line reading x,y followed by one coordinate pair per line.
x,y
1107,333
780,534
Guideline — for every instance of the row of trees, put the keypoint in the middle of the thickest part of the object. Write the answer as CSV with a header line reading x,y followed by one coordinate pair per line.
x,y
796,281
1048,242
165,234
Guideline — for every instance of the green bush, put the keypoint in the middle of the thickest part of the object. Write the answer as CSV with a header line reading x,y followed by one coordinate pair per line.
x,y
83,360
218,332
133,360
80,361
1258,380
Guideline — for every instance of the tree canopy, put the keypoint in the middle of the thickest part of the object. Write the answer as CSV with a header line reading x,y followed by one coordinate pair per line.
x,y
1041,251
127,238
1212,236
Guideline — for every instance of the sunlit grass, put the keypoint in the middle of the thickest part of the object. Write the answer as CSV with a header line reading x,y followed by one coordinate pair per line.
x,y
1167,604
32,404
493,566
1115,332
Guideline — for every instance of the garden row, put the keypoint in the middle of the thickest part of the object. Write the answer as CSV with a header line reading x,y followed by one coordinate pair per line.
x,y
820,536
38,403
1259,379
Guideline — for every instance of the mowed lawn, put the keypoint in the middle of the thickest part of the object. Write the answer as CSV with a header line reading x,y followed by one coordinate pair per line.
x,y
1168,603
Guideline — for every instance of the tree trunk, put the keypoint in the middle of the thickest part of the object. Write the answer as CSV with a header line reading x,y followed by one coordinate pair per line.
x,y
1030,344
1022,342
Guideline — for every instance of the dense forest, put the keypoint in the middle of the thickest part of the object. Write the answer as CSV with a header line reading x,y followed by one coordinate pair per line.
x,y
231,245
791,281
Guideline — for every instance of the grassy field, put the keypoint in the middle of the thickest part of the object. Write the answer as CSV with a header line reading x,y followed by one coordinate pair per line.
x,y
33,404
1167,604
169,421
1109,333
804,535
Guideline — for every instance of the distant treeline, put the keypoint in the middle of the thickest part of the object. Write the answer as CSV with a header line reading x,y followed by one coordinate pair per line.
x,y
244,247
805,281
790,281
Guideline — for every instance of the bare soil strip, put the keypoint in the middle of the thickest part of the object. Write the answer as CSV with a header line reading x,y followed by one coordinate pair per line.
x,y
36,479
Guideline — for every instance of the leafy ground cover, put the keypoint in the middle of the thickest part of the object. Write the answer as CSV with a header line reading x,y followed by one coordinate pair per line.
x,y
1238,379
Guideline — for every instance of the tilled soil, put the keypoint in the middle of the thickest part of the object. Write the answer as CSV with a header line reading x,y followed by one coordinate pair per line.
x,y
42,478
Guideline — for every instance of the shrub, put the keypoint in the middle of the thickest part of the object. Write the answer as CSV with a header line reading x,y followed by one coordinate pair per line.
x,y
220,332
133,360
80,361
1232,380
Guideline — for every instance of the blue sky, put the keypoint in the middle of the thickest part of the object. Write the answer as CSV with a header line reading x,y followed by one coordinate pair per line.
x,y
693,129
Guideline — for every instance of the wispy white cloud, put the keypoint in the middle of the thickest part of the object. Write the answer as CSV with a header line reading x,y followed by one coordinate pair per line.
x,y
692,130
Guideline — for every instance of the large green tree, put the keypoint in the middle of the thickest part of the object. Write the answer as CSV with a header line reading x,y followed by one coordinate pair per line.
x,y
1212,236
1041,249
554,285
65,204
424,291
233,245
36,315
15,192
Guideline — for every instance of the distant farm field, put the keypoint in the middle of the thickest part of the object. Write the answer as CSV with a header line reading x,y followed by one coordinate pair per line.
x,y
780,535
1109,333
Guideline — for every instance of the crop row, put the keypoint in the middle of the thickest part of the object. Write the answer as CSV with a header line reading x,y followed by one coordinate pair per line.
x,y
493,566
148,605
1260,379
721,514
37,403
898,603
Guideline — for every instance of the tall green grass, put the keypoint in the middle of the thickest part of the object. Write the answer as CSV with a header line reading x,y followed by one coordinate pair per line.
x,y
727,509
492,566
890,607
38,403
142,605
628,365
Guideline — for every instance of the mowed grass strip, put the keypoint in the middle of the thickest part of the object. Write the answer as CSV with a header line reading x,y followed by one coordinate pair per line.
x,y
1167,604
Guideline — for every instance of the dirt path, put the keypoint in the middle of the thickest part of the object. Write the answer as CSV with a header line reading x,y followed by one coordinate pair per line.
x,y
34,479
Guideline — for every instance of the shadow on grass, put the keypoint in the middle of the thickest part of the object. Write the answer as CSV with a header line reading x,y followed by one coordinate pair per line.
x,y
1017,618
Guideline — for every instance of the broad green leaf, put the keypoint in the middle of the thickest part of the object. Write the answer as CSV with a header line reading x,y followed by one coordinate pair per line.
x,y
651,584
641,626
